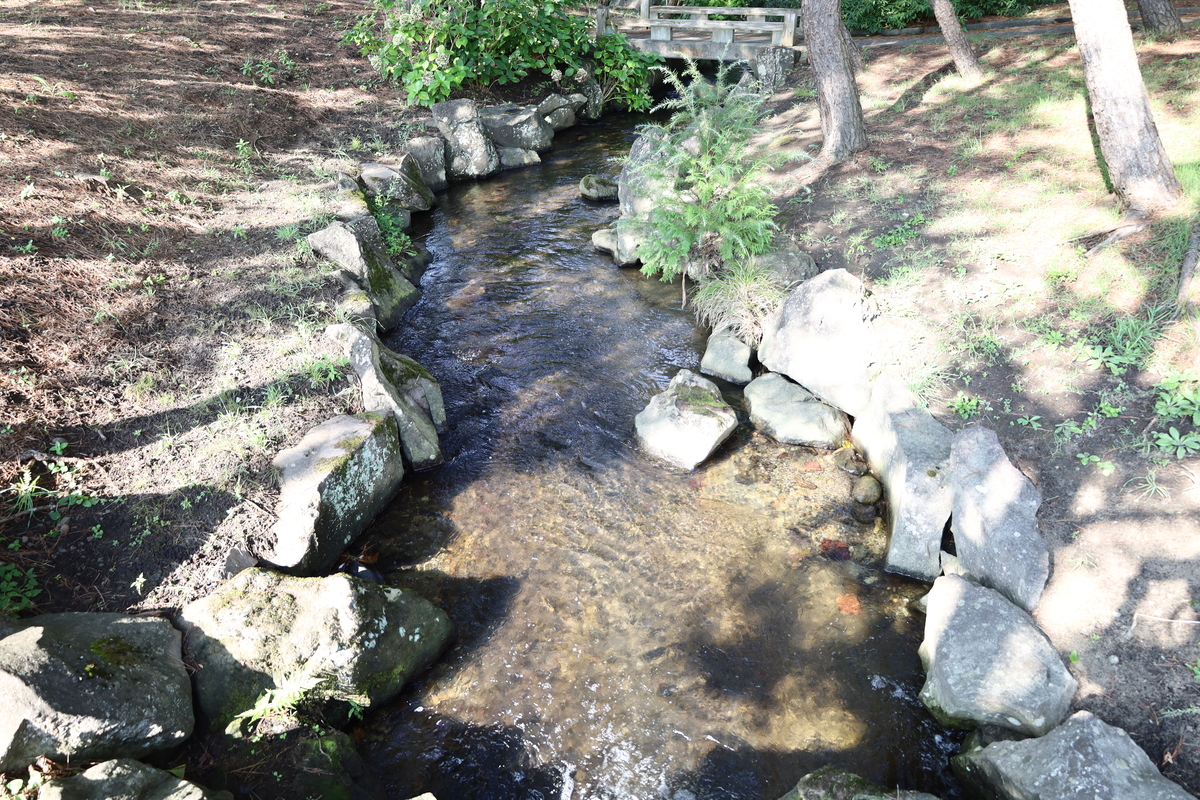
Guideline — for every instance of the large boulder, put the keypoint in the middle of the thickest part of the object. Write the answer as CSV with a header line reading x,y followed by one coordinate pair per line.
x,y
790,414
910,451
343,637
470,151
787,263
357,247
995,519
429,153
830,783
1082,759
518,127
558,111
396,386
399,184
987,662
637,191
125,779
333,483
89,687
349,200
684,424
771,65
822,337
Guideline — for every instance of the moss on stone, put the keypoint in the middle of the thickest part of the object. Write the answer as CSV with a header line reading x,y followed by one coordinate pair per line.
x,y
116,651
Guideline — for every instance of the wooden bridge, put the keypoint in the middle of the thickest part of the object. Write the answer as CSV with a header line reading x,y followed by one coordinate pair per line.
x,y
690,31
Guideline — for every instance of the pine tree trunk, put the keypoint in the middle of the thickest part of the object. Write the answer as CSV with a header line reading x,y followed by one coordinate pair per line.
x,y
1138,166
1160,16
960,49
842,123
856,56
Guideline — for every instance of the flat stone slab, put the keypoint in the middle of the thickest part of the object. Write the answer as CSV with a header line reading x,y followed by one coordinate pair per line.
x,y
126,779
351,639
910,451
727,357
822,337
1082,759
89,687
987,662
687,422
333,483
995,519
790,414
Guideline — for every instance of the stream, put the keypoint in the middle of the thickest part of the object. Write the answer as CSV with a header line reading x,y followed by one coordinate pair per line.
x,y
624,629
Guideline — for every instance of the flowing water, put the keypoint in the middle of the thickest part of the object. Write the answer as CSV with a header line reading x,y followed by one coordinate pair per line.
x,y
624,629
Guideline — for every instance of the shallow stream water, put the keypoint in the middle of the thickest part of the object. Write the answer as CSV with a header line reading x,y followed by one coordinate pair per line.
x,y
624,629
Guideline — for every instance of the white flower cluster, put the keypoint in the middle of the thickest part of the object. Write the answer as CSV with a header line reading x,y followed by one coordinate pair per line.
x,y
581,75
556,75
442,59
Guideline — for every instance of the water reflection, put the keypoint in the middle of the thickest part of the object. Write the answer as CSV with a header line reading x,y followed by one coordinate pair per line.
x,y
640,632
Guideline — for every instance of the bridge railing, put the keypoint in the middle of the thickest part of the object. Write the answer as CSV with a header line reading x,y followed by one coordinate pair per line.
x,y
664,20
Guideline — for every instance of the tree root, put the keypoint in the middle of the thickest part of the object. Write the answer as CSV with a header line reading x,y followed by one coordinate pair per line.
x,y
1092,242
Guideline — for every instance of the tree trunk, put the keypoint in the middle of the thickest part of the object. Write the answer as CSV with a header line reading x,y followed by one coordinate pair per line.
x,y
952,31
856,56
842,123
1160,16
1138,166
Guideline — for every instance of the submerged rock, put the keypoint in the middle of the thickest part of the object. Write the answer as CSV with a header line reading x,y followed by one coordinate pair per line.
x,y
987,662
89,687
727,357
790,414
343,638
125,779
1082,759
332,484
830,783
471,152
329,767
684,424
995,519
595,187
511,157
822,337
909,450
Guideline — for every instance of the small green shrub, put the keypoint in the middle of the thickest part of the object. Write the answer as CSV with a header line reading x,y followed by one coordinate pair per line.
x,y
17,589
877,15
739,298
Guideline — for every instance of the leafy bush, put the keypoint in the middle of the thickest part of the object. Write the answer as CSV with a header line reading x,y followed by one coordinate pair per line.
x,y
877,15
720,210
432,47
17,589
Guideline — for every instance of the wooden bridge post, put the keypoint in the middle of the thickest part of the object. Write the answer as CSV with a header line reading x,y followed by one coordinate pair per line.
x,y
788,39
645,11
601,21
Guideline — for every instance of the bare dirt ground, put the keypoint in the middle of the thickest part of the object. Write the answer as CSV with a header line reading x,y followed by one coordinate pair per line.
x,y
161,318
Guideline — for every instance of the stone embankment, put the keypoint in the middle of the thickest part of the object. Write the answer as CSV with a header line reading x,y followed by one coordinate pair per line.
x,y
988,665
286,628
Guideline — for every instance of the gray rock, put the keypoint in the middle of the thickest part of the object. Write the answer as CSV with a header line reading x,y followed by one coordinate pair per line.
x,y
910,451
684,424
772,64
866,490
553,103
414,400
349,200
727,357
822,337
594,108
470,151
430,154
638,192
90,687
516,157
578,101
788,263
830,783
995,519
605,240
560,119
400,184
332,484
987,662
517,127
1082,759
790,414
595,187
125,779
358,248
329,767
619,240
346,638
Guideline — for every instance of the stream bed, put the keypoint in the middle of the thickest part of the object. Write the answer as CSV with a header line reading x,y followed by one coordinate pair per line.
x,y
624,629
